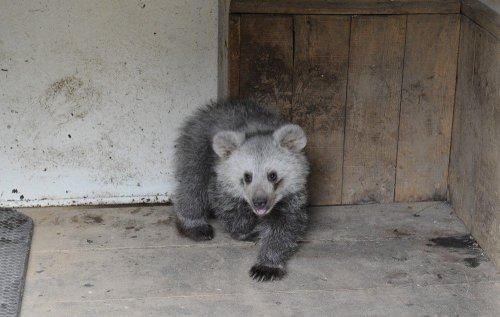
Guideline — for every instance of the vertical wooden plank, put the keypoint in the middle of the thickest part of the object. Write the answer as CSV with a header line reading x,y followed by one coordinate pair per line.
x,y
223,51
266,61
372,111
234,56
427,107
486,85
320,79
475,164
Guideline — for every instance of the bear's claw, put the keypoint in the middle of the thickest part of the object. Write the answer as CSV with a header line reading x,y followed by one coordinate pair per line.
x,y
263,273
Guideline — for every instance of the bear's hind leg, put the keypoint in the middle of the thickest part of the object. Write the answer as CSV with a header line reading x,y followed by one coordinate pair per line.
x,y
192,213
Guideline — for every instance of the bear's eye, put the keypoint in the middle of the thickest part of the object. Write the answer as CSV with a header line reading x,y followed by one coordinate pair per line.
x,y
247,177
272,177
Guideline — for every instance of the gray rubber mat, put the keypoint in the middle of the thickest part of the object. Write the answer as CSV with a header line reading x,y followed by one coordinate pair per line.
x,y
15,239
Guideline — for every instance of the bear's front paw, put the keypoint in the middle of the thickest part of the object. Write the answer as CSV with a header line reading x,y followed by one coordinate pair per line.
x,y
199,233
263,273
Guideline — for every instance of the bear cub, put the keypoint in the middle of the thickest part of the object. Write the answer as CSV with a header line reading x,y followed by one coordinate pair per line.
x,y
245,166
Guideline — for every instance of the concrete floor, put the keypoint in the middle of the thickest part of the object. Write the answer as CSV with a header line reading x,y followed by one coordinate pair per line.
x,y
371,260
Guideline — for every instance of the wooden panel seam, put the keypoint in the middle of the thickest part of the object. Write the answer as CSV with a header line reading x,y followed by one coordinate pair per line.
x,y
453,118
345,110
399,117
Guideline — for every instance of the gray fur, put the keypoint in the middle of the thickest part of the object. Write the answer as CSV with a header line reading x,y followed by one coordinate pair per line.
x,y
244,165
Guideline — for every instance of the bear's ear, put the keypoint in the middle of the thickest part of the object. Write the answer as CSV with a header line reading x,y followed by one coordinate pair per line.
x,y
225,142
291,136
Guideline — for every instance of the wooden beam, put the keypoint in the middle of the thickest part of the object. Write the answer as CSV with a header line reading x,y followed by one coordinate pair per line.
x,y
345,6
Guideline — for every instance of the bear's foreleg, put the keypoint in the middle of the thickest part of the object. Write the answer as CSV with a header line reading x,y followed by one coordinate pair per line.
x,y
279,240
237,218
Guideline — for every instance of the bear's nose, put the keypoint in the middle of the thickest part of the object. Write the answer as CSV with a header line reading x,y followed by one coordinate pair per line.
x,y
260,202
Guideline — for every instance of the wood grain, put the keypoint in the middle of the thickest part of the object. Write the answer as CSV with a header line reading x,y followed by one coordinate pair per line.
x,y
373,103
320,79
345,6
475,164
234,56
266,61
427,107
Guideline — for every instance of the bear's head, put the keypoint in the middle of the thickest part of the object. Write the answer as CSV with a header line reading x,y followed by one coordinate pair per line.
x,y
262,168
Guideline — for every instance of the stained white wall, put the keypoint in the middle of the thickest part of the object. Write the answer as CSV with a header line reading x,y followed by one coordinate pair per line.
x,y
92,92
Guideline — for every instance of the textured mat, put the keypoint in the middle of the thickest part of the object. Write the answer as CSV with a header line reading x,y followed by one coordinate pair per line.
x,y
15,240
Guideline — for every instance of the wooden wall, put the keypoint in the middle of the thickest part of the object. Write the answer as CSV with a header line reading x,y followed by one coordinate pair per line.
x,y
475,153
374,93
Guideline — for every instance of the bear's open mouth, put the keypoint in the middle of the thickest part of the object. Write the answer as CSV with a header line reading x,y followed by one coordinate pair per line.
x,y
261,211
264,210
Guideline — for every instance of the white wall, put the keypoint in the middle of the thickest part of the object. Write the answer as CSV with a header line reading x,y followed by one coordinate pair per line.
x,y
118,77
